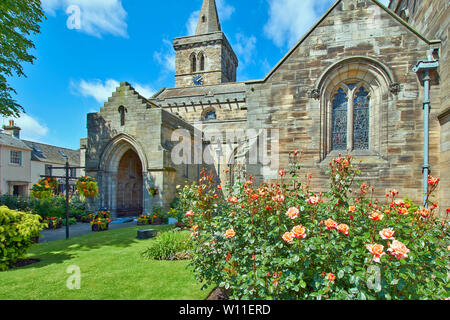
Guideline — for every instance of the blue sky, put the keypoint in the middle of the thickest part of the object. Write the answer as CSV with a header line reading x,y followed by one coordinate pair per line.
x,y
81,61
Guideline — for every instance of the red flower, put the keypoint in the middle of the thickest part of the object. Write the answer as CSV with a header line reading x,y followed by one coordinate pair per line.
x,y
331,277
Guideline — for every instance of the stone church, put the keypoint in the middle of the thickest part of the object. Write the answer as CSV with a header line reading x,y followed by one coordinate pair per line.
x,y
347,86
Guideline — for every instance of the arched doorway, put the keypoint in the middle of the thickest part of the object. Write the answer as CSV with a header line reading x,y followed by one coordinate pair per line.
x,y
129,185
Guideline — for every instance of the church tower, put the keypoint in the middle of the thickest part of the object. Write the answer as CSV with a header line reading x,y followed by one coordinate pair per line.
x,y
205,58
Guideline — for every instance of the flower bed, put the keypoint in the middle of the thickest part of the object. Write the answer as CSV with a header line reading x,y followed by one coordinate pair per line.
x,y
284,241
101,221
53,223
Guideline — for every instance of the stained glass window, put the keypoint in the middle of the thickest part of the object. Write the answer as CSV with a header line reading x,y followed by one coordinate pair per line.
x,y
339,122
211,115
361,120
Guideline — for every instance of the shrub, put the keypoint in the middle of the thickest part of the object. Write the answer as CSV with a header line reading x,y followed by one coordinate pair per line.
x,y
16,232
284,241
169,245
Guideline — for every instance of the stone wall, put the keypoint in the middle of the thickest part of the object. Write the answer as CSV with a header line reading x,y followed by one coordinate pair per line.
x,y
432,19
148,132
294,97
220,61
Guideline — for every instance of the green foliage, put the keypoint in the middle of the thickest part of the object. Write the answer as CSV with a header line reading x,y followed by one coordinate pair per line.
x,y
16,232
18,21
143,220
72,221
50,207
284,241
168,245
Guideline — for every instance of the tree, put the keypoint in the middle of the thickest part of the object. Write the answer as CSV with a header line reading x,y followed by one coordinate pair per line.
x,y
19,20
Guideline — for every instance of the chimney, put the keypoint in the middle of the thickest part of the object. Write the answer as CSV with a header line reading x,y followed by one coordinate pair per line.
x,y
12,129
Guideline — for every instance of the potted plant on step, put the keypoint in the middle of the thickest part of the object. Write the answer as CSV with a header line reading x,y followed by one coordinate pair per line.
x,y
143,220
100,224
158,215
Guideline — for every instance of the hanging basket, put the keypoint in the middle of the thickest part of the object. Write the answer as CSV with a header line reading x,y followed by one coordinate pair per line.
x,y
45,188
87,187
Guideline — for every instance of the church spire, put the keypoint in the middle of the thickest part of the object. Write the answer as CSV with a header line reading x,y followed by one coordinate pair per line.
x,y
208,21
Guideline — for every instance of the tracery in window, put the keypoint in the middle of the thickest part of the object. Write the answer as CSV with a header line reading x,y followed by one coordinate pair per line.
x,y
339,124
361,120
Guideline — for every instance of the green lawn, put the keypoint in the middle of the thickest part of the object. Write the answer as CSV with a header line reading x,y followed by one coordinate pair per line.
x,y
111,268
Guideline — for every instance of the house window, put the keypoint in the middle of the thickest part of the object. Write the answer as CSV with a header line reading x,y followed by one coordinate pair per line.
x,y
16,157
73,172
350,117
48,170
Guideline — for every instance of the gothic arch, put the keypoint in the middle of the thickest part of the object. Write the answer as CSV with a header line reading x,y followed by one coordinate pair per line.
x,y
349,75
116,148
201,61
112,190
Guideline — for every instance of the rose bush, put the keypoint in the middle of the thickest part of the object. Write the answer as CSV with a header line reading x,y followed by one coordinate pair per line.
x,y
284,241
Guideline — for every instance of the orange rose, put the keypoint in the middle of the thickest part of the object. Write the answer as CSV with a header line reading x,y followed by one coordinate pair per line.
x,y
289,237
230,233
293,213
343,228
299,232
377,250
313,200
376,215
387,234
331,277
233,199
331,224
190,213
352,209
399,250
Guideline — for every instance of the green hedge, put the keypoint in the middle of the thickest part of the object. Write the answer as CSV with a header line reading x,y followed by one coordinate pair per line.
x,y
16,232
53,207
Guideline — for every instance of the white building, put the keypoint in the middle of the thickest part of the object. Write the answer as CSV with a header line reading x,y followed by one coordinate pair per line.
x,y
23,162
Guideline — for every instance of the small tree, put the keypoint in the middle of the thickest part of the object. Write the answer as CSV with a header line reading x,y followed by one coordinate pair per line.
x,y
18,21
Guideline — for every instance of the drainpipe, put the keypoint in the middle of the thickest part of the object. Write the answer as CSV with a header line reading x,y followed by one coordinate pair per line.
x,y
423,69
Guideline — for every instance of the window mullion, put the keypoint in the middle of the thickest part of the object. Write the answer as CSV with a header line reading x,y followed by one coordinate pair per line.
x,y
350,121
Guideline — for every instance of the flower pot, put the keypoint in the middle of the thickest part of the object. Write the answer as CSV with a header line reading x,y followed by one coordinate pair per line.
x,y
173,220
96,227
157,221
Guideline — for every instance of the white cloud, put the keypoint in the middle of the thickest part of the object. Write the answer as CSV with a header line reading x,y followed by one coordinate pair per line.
x,y
191,25
289,20
32,128
245,48
97,17
225,10
166,56
101,91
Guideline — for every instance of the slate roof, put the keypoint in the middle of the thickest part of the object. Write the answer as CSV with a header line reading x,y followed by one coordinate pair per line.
x,y
52,154
10,141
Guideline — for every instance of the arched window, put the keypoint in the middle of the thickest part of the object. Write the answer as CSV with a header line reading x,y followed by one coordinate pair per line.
x,y
339,122
354,95
210,115
193,63
122,111
350,117
201,57
361,119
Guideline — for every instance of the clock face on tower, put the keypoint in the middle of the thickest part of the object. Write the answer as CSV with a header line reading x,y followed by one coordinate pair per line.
x,y
198,80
